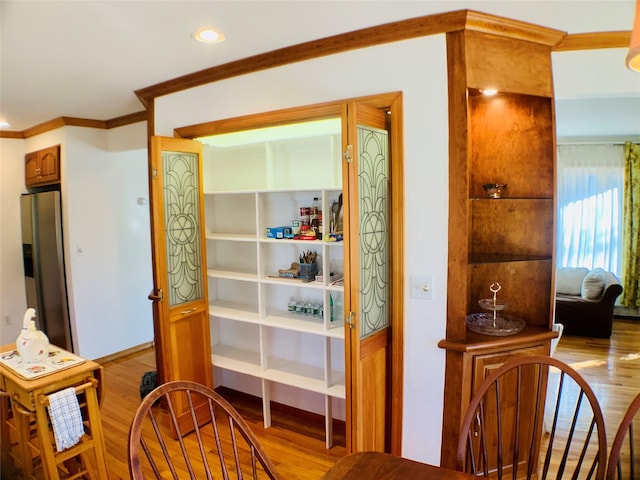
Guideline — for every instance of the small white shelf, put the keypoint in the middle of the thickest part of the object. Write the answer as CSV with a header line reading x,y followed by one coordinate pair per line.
x,y
277,319
302,323
231,275
307,377
232,237
235,311
292,282
236,360
328,188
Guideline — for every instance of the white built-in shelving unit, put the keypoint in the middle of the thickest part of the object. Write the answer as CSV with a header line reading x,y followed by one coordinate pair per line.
x,y
254,180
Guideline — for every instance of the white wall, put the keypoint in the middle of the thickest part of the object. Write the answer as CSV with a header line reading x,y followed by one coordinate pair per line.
x,y
418,68
13,301
105,215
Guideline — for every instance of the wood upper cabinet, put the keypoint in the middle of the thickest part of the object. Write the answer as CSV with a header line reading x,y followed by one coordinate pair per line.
x,y
507,138
42,167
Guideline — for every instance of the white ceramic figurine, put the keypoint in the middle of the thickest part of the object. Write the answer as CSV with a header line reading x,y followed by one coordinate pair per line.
x,y
32,344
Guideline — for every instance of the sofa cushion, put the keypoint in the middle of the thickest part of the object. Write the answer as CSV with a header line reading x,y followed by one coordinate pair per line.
x,y
593,284
569,280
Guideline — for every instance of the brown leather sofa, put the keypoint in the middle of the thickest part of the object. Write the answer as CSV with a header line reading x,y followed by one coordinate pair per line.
x,y
585,311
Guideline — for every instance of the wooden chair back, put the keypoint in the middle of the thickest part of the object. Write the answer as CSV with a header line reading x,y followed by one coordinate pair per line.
x,y
502,433
624,457
214,442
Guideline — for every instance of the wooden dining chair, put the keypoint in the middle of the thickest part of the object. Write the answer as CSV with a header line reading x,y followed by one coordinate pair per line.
x,y
213,442
624,457
502,434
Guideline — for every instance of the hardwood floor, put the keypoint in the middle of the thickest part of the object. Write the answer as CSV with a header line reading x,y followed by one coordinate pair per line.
x,y
297,448
611,366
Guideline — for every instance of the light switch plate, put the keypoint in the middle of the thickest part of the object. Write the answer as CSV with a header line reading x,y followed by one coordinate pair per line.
x,y
421,288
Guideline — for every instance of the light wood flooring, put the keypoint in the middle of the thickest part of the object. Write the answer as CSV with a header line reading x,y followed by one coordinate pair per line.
x,y
295,444
611,366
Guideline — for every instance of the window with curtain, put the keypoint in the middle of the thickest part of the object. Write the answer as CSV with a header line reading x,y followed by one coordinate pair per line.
x,y
589,200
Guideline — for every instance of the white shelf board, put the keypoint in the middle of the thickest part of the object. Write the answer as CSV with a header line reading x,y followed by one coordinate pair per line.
x,y
302,243
231,275
291,282
305,377
235,311
232,237
328,188
302,323
236,359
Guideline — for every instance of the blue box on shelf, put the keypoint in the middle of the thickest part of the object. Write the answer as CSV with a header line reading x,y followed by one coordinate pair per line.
x,y
279,232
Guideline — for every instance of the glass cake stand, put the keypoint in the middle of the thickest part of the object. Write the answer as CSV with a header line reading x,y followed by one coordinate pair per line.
x,y
493,323
500,327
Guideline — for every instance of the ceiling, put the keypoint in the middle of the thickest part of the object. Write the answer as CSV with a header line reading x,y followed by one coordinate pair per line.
x,y
86,58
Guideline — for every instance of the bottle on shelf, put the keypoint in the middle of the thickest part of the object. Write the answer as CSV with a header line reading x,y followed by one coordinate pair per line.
x,y
315,218
305,213
331,307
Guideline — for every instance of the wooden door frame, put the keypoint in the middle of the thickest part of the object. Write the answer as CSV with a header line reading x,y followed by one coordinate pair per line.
x,y
393,104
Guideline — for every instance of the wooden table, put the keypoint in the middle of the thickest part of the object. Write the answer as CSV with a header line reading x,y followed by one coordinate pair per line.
x,y
31,395
382,466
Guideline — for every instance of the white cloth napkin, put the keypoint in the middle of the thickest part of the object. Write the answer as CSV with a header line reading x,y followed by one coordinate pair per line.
x,y
66,418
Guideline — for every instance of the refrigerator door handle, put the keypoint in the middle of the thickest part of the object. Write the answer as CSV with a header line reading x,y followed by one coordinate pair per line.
x,y
156,298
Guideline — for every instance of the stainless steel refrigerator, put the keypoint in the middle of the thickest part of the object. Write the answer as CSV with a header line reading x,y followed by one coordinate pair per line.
x,y
45,279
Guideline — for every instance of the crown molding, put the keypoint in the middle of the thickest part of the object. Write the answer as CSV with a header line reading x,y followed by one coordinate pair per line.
x,y
516,29
11,134
594,41
77,122
440,23
386,33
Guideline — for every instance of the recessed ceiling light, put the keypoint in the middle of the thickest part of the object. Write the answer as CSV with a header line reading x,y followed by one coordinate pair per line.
x,y
208,35
3,124
489,91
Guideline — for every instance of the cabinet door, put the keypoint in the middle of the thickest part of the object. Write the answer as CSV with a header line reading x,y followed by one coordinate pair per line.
x,y
484,365
31,169
49,160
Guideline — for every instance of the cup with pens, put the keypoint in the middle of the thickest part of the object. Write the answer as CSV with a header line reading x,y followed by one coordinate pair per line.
x,y
308,266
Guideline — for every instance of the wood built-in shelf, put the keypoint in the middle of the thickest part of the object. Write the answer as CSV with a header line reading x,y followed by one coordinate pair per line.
x,y
479,258
473,341
507,138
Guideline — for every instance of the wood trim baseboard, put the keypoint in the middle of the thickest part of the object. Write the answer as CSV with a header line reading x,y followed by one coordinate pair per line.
x,y
124,353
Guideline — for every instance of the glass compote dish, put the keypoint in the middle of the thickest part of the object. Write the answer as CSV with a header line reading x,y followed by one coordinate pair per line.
x,y
494,323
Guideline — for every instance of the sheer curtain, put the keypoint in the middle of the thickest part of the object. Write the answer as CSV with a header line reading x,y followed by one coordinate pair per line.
x,y
590,185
